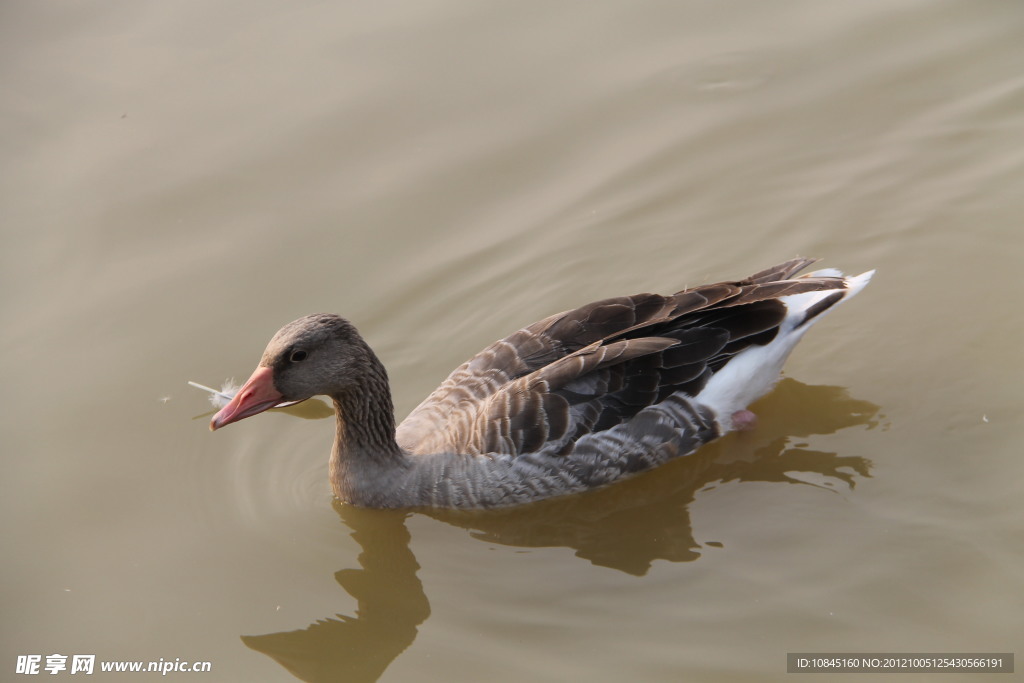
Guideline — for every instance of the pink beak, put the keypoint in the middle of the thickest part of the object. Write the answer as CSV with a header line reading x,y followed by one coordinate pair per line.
x,y
258,394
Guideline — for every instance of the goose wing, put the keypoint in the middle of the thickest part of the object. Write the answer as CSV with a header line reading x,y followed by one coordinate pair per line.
x,y
587,370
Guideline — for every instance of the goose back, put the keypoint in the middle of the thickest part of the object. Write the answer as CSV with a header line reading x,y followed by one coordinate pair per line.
x,y
565,382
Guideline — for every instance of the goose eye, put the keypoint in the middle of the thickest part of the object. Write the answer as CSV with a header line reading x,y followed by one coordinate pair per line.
x,y
298,356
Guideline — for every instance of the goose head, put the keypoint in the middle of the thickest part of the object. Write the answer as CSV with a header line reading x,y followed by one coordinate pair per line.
x,y
316,354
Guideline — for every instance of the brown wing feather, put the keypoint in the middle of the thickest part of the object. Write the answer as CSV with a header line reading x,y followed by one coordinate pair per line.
x,y
528,412
783,271
593,367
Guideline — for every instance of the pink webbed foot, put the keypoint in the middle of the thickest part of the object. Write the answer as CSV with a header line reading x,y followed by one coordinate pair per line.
x,y
743,420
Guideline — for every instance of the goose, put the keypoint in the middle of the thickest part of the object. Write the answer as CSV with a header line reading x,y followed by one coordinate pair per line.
x,y
576,401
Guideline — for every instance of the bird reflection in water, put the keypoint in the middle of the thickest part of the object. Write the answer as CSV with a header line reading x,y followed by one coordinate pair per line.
x,y
625,527
391,605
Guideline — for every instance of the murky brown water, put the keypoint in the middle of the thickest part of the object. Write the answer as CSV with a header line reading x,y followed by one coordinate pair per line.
x,y
180,179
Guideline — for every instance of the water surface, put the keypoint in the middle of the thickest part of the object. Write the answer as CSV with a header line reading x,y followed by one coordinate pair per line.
x,y
180,179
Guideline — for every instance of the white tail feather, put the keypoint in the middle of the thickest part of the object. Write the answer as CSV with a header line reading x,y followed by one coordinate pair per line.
x,y
755,370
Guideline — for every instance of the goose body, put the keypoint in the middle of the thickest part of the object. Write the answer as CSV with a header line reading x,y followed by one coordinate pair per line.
x,y
573,402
